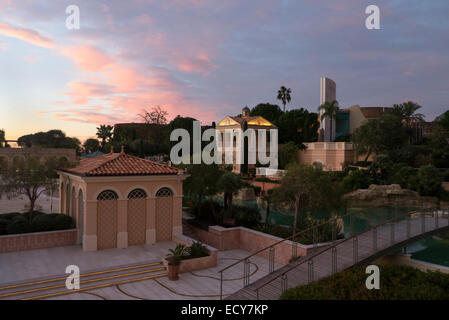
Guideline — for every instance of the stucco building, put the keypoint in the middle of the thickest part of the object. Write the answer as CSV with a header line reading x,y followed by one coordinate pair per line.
x,y
252,122
119,200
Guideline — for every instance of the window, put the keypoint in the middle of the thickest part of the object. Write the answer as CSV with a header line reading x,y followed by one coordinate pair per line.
x,y
137,194
164,192
107,195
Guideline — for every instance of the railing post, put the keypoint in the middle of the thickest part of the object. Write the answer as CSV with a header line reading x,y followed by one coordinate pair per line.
x,y
351,223
271,259
294,248
334,230
355,248
374,240
436,212
246,267
392,233
221,285
284,283
408,227
423,222
334,260
310,271
314,239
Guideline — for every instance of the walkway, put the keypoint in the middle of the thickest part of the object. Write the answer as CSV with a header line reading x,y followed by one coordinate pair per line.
x,y
359,249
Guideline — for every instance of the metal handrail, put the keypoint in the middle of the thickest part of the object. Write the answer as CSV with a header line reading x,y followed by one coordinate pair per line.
x,y
334,246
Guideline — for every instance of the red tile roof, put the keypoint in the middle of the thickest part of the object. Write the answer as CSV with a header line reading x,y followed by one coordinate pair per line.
x,y
120,164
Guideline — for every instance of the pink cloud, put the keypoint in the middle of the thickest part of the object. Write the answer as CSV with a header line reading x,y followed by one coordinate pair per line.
x,y
200,63
87,58
27,35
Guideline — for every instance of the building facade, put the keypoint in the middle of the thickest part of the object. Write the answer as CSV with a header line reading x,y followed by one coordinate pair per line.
x,y
119,200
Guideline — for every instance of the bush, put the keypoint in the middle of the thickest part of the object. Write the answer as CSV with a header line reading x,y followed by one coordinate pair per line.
x,y
196,250
397,283
16,223
356,179
246,217
429,181
19,224
54,221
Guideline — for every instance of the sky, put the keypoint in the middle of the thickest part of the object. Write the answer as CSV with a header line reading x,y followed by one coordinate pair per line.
x,y
207,59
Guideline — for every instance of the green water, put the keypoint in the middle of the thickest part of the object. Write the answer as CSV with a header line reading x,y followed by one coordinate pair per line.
x,y
432,250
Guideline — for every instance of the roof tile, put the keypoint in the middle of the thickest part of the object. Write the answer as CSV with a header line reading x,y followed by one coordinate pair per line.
x,y
120,164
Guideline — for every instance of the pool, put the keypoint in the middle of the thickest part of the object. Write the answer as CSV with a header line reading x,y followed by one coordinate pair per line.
x,y
433,250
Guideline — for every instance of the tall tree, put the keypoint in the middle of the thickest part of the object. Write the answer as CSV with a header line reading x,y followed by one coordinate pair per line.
x,y
298,126
155,116
310,186
330,109
443,121
229,183
270,112
104,132
202,182
379,135
407,112
30,178
91,145
284,95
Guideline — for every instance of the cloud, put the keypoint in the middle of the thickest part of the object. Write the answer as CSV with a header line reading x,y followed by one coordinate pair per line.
x,y
200,63
87,58
27,35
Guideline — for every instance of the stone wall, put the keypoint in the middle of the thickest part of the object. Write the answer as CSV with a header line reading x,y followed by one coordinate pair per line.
x,y
38,240
42,153
249,240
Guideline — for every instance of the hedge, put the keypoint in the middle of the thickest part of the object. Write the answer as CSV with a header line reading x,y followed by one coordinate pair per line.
x,y
16,223
396,283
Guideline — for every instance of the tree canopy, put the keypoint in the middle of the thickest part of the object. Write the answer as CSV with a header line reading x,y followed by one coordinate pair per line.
x,y
49,139
270,112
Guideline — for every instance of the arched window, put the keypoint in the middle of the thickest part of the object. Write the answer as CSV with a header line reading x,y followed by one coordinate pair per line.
x,y
107,195
164,192
137,194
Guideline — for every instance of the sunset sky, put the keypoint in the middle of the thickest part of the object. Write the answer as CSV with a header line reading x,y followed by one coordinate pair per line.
x,y
207,59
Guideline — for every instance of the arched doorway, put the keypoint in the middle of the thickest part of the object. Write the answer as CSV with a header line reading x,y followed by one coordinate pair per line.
x,y
136,217
80,216
107,220
62,197
73,203
164,214
67,199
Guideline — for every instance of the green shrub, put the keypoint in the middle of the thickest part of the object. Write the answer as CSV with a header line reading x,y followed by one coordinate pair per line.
x,y
16,223
429,181
54,221
4,225
397,283
356,179
19,224
245,216
197,250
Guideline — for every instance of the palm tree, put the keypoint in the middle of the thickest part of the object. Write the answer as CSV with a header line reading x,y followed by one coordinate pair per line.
x,y
330,110
407,113
104,132
284,95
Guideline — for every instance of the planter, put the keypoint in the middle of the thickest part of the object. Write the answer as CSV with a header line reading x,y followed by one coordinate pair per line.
x,y
173,271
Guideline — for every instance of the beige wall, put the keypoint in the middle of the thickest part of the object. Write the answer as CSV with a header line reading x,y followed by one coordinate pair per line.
x,y
356,118
333,155
93,186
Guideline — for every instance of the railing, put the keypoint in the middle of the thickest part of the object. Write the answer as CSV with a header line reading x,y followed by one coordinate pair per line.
x,y
271,248
333,248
